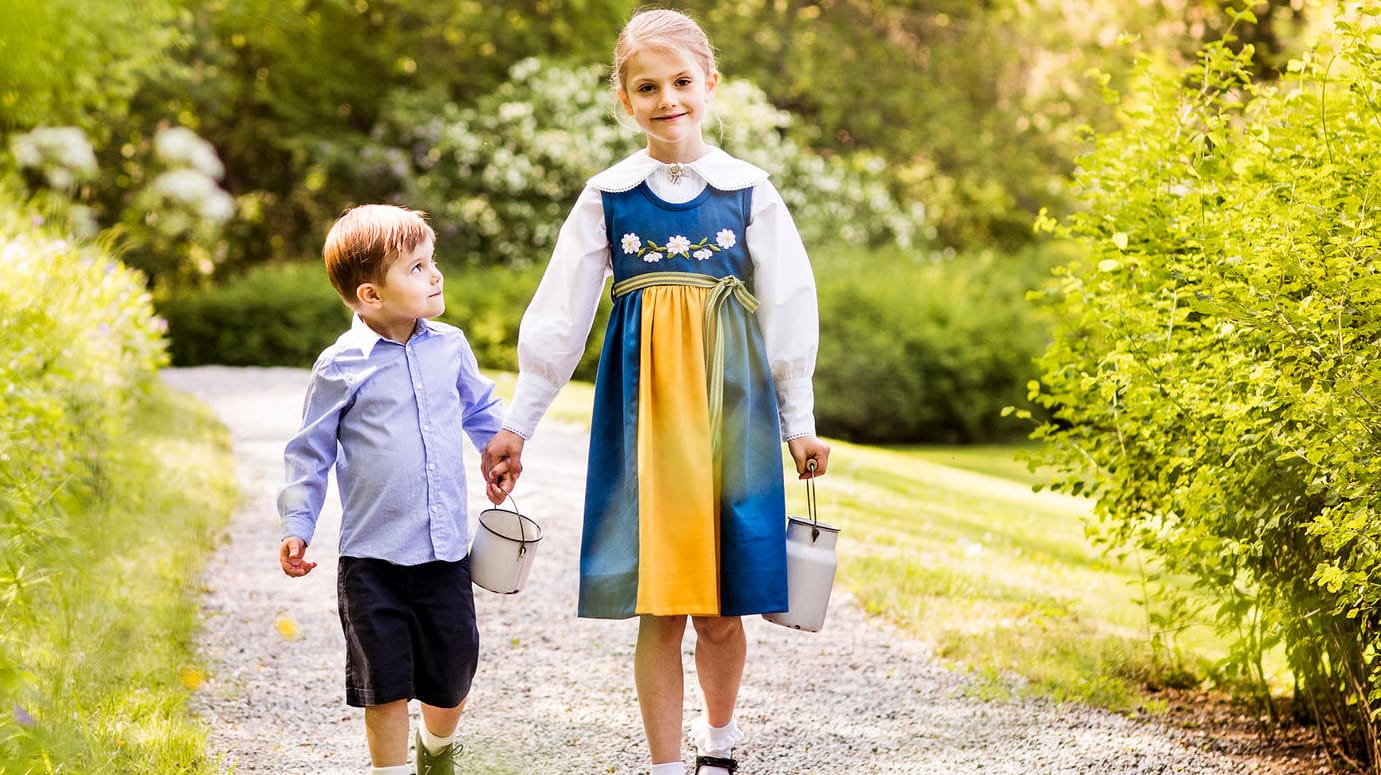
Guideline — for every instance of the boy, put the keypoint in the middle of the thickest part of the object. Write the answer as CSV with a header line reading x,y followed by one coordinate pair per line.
x,y
386,407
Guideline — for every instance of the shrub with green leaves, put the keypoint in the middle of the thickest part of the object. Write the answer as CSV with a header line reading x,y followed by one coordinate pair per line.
x,y
499,177
78,345
1213,376
920,348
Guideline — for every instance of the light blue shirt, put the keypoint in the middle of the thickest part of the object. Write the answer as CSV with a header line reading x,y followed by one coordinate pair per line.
x,y
390,418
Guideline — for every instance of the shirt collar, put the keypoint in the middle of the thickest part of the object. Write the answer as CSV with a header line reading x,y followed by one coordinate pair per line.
x,y
718,168
362,336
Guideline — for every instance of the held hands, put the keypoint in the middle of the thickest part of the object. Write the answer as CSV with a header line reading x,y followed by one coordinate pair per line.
x,y
501,463
290,557
804,449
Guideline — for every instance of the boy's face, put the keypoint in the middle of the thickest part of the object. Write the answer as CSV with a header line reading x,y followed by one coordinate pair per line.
x,y
411,289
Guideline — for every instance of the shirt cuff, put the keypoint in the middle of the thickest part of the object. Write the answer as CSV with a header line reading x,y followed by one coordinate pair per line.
x,y
796,407
531,397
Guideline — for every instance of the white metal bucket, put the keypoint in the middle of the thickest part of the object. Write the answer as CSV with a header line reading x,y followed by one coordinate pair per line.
x,y
810,566
502,552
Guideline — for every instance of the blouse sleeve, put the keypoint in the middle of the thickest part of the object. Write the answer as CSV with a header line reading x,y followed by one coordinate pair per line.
x,y
788,312
556,325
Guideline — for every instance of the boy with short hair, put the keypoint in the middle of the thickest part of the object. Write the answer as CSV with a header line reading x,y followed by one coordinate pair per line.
x,y
387,406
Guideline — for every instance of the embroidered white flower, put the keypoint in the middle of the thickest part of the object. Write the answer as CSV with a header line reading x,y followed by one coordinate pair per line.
x,y
725,239
702,254
678,245
652,257
631,243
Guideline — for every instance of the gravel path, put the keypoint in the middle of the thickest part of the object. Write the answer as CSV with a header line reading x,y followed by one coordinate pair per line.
x,y
554,693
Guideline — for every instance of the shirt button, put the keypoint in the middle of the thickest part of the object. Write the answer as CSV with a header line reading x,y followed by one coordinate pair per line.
x,y
427,427
431,466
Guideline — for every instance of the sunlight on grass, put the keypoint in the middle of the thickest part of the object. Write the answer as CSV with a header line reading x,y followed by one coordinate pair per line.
x,y
1002,579
110,639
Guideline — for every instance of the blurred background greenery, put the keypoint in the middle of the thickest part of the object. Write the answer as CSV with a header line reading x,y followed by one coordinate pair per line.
x,y
213,141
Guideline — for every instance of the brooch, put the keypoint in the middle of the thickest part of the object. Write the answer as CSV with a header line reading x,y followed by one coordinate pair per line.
x,y
675,171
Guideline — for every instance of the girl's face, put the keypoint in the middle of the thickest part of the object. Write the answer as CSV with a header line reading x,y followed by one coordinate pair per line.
x,y
668,93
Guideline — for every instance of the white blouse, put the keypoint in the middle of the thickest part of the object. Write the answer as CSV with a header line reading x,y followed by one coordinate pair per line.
x,y
556,325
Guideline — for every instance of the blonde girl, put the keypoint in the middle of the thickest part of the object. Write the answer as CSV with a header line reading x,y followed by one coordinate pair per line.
x,y
706,370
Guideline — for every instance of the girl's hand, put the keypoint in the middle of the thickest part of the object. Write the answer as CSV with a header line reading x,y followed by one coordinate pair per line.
x,y
502,464
290,553
804,449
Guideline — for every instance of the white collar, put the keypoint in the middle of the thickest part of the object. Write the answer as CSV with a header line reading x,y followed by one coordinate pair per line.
x,y
718,168
362,336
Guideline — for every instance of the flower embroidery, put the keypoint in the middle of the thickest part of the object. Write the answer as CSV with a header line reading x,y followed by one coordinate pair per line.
x,y
677,245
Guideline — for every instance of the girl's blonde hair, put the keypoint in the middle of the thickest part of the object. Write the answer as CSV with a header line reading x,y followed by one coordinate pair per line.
x,y
366,240
665,30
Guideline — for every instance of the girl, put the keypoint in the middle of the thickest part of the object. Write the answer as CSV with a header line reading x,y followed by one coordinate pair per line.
x,y
706,368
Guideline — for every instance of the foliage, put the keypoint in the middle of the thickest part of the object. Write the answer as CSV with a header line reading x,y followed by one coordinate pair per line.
x,y
273,315
925,349
83,536
286,314
975,107
105,645
1212,377
499,177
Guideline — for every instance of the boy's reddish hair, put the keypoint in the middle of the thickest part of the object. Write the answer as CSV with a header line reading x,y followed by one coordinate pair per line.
x,y
364,242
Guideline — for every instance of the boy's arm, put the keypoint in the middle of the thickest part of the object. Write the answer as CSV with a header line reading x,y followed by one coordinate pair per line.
x,y
310,453
481,409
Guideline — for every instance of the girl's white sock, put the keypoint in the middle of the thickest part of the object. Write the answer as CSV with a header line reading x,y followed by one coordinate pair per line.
x,y
715,741
401,769
669,768
434,743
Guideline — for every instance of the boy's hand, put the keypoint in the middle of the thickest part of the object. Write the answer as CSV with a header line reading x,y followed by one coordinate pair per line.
x,y
501,465
804,449
290,557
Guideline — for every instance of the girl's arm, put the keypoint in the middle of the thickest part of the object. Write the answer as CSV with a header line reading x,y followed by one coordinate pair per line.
x,y
556,325
787,311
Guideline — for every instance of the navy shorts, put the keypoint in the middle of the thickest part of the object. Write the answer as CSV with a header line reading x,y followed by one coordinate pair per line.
x,y
409,631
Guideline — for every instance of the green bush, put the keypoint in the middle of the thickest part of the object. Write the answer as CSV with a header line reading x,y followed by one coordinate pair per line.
x,y
79,346
1213,374
286,314
500,177
916,349
275,315
923,349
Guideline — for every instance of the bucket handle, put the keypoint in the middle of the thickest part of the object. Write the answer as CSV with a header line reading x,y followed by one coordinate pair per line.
x,y
810,501
522,529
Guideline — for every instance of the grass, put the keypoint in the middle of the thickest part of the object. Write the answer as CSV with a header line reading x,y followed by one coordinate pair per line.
x,y
1002,579
105,643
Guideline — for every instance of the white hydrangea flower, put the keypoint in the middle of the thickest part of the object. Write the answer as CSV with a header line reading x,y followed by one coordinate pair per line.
x,y
197,191
702,254
652,257
678,245
725,239
631,243
181,147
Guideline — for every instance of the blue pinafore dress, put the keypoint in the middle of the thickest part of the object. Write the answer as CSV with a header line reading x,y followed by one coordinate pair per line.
x,y
685,505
